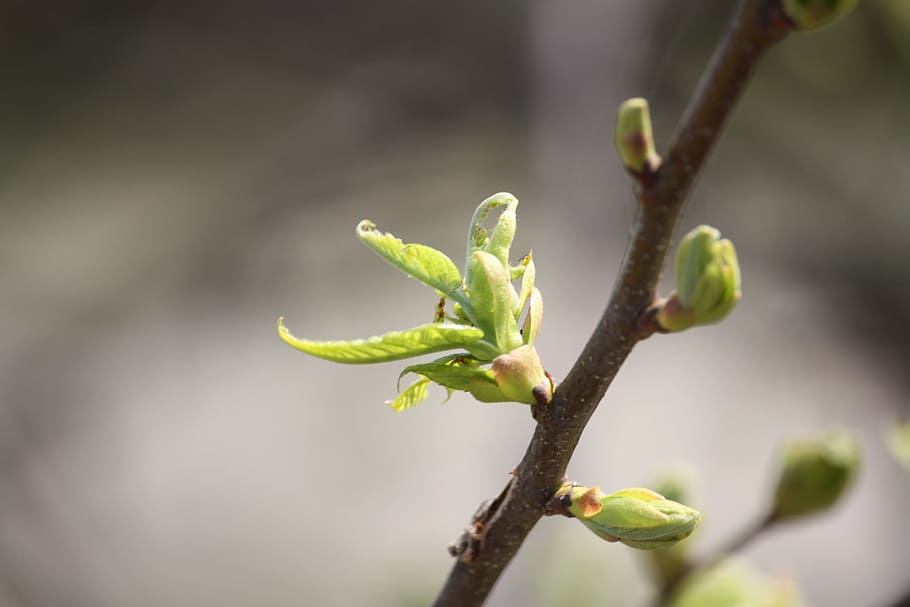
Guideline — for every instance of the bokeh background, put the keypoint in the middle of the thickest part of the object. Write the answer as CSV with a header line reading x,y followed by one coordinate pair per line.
x,y
174,176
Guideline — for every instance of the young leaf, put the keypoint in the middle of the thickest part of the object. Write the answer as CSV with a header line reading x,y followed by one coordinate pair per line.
x,y
478,238
528,273
490,293
410,396
531,327
424,263
503,234
518,271
450,373
425,339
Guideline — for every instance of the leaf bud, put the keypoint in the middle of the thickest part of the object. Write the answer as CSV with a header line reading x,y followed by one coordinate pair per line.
x,y
814,474
637,517
521,378
708,282
634,137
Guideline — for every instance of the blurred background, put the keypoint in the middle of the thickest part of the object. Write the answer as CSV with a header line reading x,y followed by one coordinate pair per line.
x,y
174,176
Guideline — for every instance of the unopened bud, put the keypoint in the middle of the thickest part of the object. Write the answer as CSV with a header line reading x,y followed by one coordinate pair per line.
x,y
899,443
634,138
812,14
639,518
521,377
708,282
814,474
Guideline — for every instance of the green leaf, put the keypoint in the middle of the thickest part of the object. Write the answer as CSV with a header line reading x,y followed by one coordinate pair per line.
x,y
518,271
410,396
526,270
424,263
425,339
452,373
503,234
534,318
478,237
490,293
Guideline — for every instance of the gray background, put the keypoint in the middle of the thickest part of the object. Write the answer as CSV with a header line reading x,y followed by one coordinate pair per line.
x,y
173,177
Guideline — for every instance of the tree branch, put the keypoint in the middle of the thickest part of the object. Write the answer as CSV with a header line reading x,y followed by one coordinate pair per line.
x,y
756,26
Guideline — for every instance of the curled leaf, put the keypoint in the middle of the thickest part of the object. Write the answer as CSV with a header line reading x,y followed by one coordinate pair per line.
x,y
458,373
410,396
503,234
531,328
528,274
424,263
425,339
478,237
490,292
519,270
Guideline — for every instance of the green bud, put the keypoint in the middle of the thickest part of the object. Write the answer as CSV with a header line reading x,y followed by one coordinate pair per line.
x,y
521,377
637,517
814,474
898,440
708,282
634,138
813,14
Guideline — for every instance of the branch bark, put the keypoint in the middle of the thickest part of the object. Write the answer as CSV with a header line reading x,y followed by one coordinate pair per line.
x,y
499,531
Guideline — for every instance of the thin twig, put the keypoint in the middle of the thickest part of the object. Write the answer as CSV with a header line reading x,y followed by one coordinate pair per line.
x,y
754,28
700,566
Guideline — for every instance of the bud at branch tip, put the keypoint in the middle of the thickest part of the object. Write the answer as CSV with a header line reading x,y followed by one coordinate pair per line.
x,y
634,137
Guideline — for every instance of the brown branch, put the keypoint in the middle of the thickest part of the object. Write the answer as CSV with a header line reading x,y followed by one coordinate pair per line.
x,y
756,26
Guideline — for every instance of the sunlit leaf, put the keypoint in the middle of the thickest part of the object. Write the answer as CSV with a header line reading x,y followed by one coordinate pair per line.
x,y
534,318
478,237
491,296
425,339
449,373
501,238
410,396
518,271
528,273
424,263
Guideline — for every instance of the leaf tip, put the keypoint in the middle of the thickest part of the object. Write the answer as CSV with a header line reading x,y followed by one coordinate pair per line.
x,y
281,328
